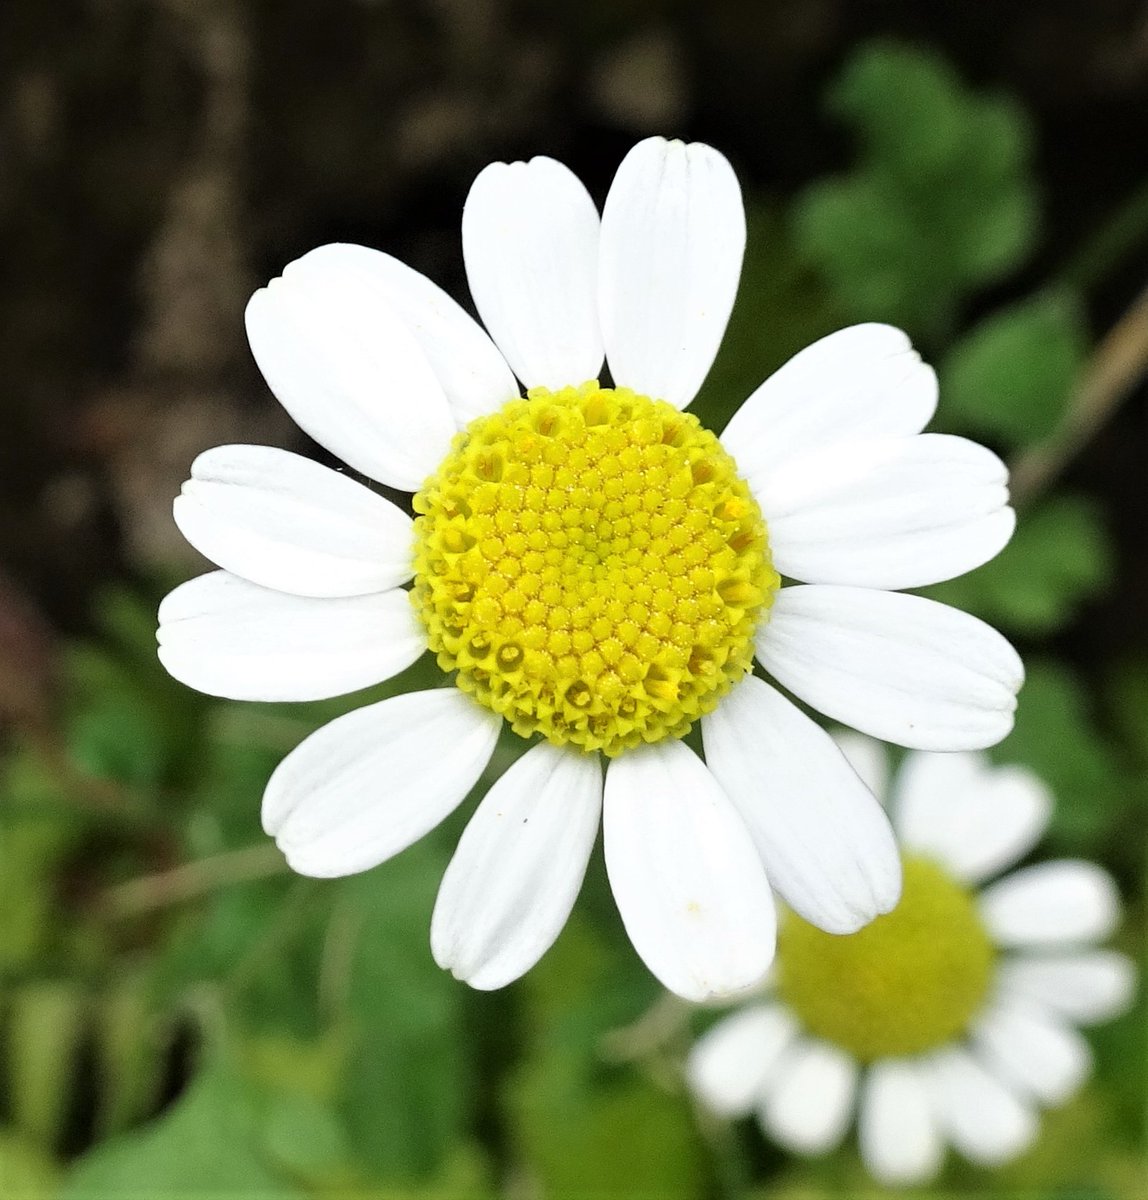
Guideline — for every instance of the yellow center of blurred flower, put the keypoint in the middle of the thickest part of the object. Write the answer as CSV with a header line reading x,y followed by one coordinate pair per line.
x,y
909,981
591,565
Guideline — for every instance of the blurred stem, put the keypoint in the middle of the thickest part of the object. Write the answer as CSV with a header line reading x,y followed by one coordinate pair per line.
x,y
663,1022
191,880
276,933
337,957
1119,363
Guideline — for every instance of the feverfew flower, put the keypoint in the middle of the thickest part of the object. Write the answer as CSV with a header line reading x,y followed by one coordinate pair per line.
x,y
596,570
952,1018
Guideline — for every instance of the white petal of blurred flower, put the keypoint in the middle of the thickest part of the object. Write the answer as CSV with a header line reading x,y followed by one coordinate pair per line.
x,y
943,1033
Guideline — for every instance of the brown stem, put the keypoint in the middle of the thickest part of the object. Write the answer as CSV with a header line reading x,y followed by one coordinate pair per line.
x,y
1118,365
191,880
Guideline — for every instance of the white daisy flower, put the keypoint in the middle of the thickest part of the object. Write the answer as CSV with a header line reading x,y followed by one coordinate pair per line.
x,y
597,570
952,1018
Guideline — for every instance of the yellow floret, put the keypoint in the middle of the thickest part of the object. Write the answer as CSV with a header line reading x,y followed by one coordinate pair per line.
x,y
592,566
908,982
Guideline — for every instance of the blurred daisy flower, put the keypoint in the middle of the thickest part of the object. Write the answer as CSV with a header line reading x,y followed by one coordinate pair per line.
x,y
596,570
952,1018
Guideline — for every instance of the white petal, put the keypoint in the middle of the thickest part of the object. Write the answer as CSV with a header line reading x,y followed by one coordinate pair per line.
x,y
367,785
227,637
730,1063
868,757
888,513
470,369
518,868
1034,1052
973,817
927,787
673,236
288,523
686,878
901,668
825,840
862,382
899,1139
530,240
343,363
807,1105
1084,986
1051,903
984,1120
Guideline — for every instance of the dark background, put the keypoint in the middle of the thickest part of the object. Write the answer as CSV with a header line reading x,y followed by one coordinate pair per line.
x,y
161,158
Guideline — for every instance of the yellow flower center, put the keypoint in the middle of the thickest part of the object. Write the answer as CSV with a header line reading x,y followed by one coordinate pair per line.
x,y
591,565
909,981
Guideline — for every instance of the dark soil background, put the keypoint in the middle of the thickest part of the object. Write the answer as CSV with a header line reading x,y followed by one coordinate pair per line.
x,y
161,158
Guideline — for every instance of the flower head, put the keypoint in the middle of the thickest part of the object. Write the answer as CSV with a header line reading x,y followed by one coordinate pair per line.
x,y
950,1019
595,570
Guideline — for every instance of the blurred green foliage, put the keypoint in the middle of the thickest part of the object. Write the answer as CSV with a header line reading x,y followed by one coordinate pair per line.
x,y
1056,560
181,1018
1010,377
940,202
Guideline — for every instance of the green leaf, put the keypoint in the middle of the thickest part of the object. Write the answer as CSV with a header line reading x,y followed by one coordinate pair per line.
x,y
128,621
1011,376
464,1176
1058,558
304,1137
263,941
228,787
282,1063
205,1146
609,1134
582,1124
37,831
589,984
26,1172
301,1131
128,719
1056,737
1062,1161
940,202
1130,706
1121,1046
121,726
129,1049
406,1098
262,937
46,1021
